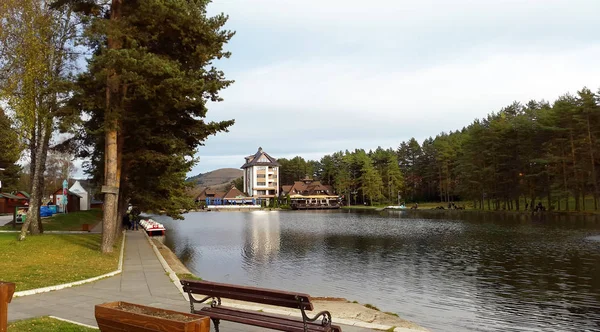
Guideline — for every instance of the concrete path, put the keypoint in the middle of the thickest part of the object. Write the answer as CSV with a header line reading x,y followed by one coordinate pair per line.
x,y
143,281
5,219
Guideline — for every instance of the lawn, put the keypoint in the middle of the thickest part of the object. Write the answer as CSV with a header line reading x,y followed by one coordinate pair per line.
x,y
46,324
67,222
72,221
53,259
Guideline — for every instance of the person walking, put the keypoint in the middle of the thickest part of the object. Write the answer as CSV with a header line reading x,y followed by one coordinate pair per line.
x,y
133,221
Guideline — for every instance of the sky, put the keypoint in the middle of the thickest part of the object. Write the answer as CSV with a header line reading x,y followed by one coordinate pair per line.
x,y
317,76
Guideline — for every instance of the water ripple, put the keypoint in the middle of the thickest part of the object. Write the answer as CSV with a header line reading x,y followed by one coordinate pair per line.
x,y
481,274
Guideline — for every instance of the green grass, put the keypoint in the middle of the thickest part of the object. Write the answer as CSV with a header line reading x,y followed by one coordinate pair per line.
x,y
46,324
391,329
370,306
391,314
188,276
72,221
468,205
67,222
47,260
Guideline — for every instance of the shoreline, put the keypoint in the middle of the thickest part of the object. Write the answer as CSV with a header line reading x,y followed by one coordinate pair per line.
x,y
345,312
470,211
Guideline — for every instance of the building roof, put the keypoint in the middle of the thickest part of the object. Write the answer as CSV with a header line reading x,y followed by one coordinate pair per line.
x,y
234,193
59,192
11,196
307,187
286,188
260,158
230,194
78,188
209,192
24,193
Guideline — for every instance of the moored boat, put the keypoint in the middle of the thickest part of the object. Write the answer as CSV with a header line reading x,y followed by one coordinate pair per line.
x,y
396,207
152,227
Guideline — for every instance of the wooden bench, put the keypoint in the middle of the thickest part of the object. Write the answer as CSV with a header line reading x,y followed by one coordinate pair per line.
x,y
215,291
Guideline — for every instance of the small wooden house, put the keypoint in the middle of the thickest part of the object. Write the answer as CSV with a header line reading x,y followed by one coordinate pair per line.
x,y
73,200
8,202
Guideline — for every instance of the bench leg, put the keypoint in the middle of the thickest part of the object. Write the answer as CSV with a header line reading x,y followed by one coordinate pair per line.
x,y
216,323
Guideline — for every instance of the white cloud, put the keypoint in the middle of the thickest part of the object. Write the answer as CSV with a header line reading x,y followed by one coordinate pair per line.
x,y
314,77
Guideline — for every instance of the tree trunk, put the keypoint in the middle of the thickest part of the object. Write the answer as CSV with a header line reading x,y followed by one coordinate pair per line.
x,y
42,169
31,221
577,190
109,220
592,160
441,186
565,186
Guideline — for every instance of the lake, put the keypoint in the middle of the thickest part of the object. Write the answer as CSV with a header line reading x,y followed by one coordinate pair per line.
x,y
444,271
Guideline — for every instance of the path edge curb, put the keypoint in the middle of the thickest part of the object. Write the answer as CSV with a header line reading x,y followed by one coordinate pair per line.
x,y
168,269
74,322
76,283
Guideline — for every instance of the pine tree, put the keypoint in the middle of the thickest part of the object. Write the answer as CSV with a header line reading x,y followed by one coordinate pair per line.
x,y
36,60
146,93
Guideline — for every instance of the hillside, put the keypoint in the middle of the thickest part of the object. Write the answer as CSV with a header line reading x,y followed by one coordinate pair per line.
x,y
217,177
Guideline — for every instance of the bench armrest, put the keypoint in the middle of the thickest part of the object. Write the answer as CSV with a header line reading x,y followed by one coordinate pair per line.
x,y
325,320
216,301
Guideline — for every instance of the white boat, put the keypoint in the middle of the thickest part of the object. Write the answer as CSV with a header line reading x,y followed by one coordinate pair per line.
x,y
396,207
152,227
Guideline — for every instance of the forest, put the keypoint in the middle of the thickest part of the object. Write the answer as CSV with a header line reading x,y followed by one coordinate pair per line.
x,y
513,159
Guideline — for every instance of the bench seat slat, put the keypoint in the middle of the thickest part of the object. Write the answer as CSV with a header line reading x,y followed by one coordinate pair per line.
x,y
263,316
260,319
249,294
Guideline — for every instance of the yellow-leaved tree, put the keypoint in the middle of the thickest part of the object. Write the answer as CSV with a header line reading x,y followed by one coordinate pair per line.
x,y
36,60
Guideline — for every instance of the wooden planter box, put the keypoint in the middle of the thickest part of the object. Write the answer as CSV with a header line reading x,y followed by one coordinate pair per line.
x,y
124,316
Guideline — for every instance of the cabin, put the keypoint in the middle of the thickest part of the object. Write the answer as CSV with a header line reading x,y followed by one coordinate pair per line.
x,y
311,194
73,201
8,202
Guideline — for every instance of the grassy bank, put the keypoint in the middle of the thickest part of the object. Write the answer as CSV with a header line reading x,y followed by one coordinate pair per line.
x,y
363,207
468,206
67,222
47,260
73,221
46,324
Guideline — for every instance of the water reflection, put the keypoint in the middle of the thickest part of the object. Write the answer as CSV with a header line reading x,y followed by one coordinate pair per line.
x,y
478,274
261,236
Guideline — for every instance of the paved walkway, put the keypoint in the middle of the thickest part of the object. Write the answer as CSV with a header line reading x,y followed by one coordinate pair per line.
x,y
5,219
143,281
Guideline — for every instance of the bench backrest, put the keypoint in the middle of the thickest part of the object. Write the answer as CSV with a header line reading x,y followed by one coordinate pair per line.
x,y
248,294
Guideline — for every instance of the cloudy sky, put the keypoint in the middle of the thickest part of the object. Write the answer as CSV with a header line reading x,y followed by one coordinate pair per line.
x,y
317,76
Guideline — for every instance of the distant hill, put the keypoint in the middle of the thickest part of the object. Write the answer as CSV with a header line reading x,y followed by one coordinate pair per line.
x,y
217,177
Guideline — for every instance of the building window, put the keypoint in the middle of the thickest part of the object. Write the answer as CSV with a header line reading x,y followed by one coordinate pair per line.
x,y
261,183
261,192
260,175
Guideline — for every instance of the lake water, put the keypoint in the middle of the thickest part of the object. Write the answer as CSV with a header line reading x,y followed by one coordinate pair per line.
x,y
466,272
